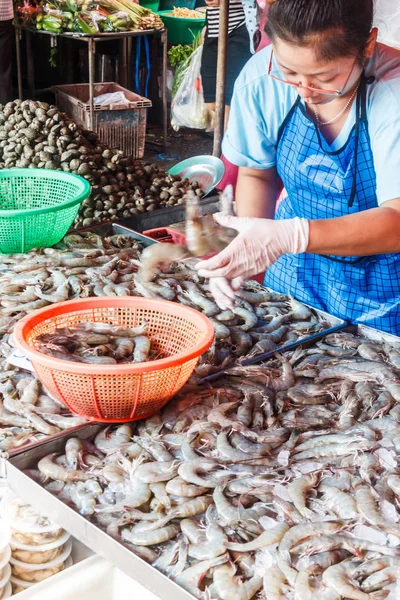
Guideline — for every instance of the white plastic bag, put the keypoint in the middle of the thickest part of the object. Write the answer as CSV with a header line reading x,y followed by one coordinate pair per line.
x,y
111,98
188,108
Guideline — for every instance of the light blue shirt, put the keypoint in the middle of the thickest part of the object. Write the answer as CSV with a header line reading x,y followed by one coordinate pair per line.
x,y
260,105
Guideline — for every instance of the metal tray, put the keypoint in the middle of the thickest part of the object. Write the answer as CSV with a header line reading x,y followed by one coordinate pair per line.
x,y
85,531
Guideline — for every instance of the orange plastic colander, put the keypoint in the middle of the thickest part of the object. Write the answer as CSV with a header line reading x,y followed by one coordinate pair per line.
x,y
112,393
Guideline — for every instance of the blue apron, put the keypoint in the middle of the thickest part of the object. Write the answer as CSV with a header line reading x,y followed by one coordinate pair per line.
x,y
324,185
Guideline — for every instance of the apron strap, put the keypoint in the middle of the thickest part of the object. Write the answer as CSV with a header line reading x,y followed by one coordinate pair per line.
x,y
287,119
361,117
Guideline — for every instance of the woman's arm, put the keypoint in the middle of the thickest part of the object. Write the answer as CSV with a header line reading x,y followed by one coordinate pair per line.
x,y
374,231
256,193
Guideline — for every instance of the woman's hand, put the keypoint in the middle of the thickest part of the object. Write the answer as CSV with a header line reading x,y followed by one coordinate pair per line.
x,y
212,3
259,244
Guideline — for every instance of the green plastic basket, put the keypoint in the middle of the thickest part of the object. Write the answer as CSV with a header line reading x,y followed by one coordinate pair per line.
x,y
181,30
37,207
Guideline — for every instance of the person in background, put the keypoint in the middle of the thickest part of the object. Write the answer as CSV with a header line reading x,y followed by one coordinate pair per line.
x,y
241,26
6,39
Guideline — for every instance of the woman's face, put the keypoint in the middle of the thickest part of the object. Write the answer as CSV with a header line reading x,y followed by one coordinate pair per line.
x,y
299,64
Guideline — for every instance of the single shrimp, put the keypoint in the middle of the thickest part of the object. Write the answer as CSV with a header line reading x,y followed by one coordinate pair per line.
x,y
213,546
178,487
317,563
61,294
229,588
48,466
62,421
195,295
304,590
381,579
338,579
150,538
124,348
191,577
367,508
300,532
154,472
298,490
142,349
271,536
273,582
340,503
74,451
189,472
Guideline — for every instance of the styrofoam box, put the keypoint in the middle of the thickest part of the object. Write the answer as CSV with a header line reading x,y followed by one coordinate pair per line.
x,y
92,579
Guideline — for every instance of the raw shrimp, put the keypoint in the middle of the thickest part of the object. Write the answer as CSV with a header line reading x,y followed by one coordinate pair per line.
x,y
207,306
150,538
229,588
213,546
189,472
191,577
155,472
271,536
273,583
49,467
160,256
304,590
381,579
340,503
300,532
178,487
142,349
64,421
338,579
298,490
367,508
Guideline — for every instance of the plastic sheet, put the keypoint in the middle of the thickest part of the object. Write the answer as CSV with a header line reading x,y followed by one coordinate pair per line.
x,y
111,98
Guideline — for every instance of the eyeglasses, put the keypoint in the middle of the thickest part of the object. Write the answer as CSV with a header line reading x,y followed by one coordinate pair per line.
x,y
311,87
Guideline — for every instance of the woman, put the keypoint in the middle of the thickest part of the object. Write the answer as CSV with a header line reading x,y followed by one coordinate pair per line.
x,y
241,17
320,109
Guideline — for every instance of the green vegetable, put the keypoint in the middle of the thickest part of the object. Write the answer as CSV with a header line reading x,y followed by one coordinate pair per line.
x,y
178,54
84,27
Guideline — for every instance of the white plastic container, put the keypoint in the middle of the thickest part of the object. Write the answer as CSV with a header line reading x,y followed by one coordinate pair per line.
x,y
92,579
19,585
6,592
5,537
39,554
5,580
27,525
33,573
5,559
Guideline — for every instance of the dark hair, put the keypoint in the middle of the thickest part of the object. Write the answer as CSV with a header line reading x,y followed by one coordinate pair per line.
x,y
336,28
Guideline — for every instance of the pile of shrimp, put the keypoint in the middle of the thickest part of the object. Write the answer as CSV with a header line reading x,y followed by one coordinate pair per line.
x,y
87,264
99,343
279,483
28,413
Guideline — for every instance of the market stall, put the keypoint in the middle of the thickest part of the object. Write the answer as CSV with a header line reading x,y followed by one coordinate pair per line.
x,y
92,41
206,453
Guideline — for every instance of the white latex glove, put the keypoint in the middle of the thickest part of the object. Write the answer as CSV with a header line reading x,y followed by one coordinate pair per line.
x,y
259,244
